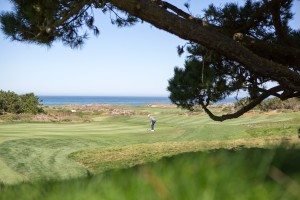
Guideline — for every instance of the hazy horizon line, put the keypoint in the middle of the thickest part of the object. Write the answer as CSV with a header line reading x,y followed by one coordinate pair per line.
x,y
76,95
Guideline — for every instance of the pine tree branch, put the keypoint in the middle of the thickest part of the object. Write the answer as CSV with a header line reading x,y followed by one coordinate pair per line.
x,y
176,10
280,53
280,31
190,30
73,11
244,109
258,15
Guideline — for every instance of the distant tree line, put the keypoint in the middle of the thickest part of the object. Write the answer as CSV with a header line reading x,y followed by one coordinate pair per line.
x,y
11,102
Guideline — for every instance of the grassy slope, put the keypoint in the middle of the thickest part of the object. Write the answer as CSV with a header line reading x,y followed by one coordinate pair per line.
x,y
221,174
32,151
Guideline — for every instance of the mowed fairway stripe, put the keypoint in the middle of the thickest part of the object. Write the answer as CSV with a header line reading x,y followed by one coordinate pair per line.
x,y
68,129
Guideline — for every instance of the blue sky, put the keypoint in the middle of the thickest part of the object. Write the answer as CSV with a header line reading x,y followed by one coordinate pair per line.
x,y
134,61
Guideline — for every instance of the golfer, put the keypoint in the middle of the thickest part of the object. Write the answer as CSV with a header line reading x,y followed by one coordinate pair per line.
x,y
152,122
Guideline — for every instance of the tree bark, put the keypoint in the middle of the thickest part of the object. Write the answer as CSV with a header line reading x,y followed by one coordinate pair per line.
x,y
150,11
283,54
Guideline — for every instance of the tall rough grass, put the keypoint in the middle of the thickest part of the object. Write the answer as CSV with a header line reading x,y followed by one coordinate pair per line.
x,y
220,174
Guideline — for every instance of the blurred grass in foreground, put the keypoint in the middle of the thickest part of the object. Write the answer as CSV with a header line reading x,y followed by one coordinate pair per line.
x,y
219,174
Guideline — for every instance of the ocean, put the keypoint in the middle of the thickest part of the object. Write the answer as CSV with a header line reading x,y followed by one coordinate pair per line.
x,y
112,100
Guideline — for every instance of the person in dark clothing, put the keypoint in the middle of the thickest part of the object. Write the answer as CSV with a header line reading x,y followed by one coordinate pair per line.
x,y
152,122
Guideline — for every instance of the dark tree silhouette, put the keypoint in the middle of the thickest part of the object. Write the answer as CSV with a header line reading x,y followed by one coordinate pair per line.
x,y
231,48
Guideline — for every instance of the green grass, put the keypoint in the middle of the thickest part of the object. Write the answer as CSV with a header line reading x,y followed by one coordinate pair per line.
x,y
220,174
116,157
54,151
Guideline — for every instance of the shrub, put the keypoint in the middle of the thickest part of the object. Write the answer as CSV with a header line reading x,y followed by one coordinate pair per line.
x,y
272,104
31,103
241,103
11,102
275,103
